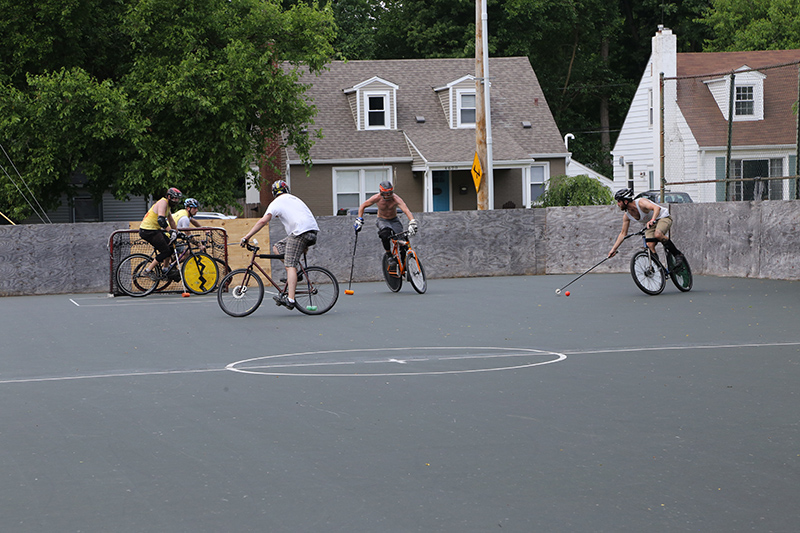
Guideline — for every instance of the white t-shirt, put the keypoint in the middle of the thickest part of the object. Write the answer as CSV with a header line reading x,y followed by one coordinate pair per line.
x,y
294,213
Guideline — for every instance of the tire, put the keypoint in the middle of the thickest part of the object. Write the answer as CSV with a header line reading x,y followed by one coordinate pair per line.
x,y
240,292
648,275
200,273
129,278
681,275
317,292
416,272
395,282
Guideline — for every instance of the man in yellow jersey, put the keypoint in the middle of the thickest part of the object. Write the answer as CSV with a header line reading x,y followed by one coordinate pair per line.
x,y
157,219
185,217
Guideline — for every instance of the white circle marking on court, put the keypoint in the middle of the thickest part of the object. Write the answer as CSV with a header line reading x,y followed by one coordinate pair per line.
x,y
413,356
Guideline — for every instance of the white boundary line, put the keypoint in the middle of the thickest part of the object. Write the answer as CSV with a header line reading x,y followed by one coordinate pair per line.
x,y
228,368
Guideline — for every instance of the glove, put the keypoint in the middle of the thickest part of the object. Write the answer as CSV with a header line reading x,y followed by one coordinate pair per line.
x,y
358,223
412,227
243,242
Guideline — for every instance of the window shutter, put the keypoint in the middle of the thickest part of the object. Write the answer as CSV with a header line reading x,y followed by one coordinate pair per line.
x,y
720,175
792,182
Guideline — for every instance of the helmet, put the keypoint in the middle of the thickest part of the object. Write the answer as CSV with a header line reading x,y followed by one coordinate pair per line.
x,y
624,194
172,192
191,202
279,187
386,187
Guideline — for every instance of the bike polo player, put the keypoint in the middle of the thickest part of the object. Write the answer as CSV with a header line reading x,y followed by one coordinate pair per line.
x,y
388,223
655,218
185,217
155,221
301,232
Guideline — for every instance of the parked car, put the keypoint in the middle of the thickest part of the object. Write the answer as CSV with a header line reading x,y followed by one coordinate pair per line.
x,y
213,215
669,197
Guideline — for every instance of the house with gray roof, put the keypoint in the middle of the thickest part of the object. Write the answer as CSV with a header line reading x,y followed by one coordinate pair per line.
x,y
698,98
413,122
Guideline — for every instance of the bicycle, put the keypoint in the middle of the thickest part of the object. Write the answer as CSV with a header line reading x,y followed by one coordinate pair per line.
x,y
242,291
198,270
650,275
395,267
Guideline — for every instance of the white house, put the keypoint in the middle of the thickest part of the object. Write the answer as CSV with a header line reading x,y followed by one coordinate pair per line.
x,y
697,102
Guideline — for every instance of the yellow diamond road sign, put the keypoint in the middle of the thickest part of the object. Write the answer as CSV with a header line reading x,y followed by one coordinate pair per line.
x,y
477,173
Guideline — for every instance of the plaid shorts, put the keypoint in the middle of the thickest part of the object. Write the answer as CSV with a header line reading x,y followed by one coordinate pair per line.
x,y
294,246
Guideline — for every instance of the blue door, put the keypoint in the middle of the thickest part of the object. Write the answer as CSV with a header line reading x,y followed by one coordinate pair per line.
x,y
441,190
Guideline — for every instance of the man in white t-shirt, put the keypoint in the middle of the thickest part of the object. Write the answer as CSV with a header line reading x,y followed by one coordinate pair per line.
x,y
301,232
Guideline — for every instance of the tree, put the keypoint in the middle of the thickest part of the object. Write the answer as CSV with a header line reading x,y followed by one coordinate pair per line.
x,y
575,190
740,25
187,100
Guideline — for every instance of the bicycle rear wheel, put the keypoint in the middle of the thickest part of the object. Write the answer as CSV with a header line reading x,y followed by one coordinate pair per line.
x,y
131,279
240,292
647,274
681,274
393,280
317,292
416,273
200,273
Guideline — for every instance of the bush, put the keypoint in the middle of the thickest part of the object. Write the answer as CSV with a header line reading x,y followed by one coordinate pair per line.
x,y
575,190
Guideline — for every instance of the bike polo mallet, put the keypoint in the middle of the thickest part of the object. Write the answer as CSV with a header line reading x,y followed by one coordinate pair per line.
x,y
186,292
349,291
558,291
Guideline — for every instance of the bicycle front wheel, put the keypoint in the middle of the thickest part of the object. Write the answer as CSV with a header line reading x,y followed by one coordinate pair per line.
x,y
681,274
200,273
392,277
240,292
131,278
647,273
416,274
317,292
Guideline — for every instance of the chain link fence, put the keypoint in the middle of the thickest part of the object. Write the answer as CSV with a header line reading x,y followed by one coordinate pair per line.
x,y
732,135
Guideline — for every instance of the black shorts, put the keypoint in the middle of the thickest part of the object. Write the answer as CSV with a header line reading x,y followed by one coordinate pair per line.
x,y
158,239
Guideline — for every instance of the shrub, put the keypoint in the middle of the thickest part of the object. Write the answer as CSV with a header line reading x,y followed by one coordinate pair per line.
x,y
575,190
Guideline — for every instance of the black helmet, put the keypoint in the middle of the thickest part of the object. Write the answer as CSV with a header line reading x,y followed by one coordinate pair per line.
x,y
623,194
279,187
386,187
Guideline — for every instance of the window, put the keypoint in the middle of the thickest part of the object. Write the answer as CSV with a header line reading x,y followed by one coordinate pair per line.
x,y
353,186
537,183
466,109
377,110
757,189
745,103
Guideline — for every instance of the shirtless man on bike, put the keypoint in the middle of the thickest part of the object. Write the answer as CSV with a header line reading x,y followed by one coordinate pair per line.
x,y
655,218
388,223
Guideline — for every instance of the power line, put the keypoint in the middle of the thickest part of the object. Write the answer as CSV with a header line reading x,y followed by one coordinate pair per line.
x,y
37,212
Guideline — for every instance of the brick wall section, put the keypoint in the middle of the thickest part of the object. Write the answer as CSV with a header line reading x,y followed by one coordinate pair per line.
x,y
740,239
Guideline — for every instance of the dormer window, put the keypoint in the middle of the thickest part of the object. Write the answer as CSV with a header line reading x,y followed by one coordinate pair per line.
x,y
748,94
376,110
459,102
744,104
374,104
466,109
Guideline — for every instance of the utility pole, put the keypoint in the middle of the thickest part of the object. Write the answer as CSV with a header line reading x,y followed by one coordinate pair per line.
x,y
483,119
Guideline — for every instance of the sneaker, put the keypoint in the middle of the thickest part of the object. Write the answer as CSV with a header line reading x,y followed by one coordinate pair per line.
x,y
150,274
284,301
680,260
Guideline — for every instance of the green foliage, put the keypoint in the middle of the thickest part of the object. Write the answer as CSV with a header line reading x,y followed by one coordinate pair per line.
x,y
739,25
140,95
575,190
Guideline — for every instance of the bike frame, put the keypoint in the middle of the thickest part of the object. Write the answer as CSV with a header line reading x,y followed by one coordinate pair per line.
x,y
253,263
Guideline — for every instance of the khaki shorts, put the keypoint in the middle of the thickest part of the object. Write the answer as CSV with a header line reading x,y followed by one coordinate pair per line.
x,y
662,225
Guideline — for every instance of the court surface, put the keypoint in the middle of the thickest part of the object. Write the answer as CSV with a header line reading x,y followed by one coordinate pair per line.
x,y
487,404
